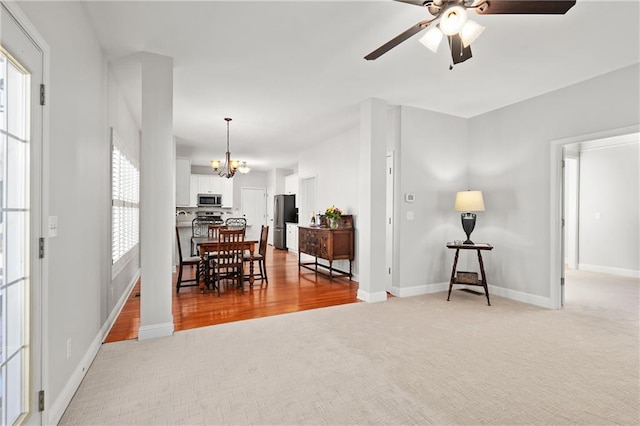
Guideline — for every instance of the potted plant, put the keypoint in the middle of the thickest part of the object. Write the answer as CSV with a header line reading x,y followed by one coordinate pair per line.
x,y
332,214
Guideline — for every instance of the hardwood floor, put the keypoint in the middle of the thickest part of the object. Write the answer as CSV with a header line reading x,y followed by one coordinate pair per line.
x,y
287,291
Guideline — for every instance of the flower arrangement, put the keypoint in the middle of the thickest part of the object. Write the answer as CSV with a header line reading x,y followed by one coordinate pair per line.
x,y
333,213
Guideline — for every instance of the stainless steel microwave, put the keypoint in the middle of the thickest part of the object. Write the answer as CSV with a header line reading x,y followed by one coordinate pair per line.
x,y
209,200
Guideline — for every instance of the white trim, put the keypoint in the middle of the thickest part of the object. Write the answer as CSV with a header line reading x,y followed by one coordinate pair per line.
x,y
532,299
555,204
154,331
15,10
419,290
632,273
58,407
379,296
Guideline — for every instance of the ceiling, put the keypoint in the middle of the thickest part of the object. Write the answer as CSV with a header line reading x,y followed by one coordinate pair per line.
x,y
291,73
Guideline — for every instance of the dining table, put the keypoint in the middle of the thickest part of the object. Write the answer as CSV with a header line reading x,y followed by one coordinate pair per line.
x,y
211,245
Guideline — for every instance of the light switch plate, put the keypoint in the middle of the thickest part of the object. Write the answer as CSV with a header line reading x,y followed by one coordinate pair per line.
x,y
409,197
53,226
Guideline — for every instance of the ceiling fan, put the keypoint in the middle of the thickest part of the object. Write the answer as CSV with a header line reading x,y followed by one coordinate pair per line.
x,y
450,19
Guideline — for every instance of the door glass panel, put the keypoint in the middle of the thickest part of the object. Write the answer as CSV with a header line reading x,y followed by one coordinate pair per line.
x,y
14,238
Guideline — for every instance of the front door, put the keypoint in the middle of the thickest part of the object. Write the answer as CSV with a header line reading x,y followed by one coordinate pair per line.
x,y
20,223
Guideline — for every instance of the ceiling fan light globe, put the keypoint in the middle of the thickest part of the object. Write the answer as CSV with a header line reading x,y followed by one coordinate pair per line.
x,y
470,32
244,169
452,20
431,40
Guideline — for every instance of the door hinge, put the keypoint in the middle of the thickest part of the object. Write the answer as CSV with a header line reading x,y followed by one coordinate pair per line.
x,y
389,271
389,221
42,94
562,281
563,222
563,164
41,248
41,400
390,171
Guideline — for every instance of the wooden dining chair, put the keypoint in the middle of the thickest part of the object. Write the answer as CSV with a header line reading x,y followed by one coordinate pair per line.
x,y
228,263
212,231
189,261
236,222
261,256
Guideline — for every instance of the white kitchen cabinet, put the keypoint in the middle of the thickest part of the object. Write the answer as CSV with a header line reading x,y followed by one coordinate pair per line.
x,y
183,182
227,192
292,237
209,184
291,186
193,198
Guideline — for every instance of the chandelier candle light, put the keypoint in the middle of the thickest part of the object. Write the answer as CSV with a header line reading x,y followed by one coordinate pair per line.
x,y
469,202
230,166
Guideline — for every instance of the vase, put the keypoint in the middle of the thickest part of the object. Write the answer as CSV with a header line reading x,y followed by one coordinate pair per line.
x,y
333,222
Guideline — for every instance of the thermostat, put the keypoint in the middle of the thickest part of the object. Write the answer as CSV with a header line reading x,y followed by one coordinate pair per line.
x,y
409,197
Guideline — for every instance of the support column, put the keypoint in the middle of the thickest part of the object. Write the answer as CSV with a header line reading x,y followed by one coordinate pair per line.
x,y
372,203
157,171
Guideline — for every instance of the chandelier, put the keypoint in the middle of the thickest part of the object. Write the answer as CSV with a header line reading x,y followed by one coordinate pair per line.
x,y
230,166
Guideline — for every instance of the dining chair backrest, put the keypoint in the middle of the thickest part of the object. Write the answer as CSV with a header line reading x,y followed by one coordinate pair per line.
x,y
213,231
179,245
230,248
200,226
264,235
236,222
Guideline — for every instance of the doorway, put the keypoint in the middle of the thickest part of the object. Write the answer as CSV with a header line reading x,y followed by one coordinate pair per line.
x,y
21,170
575,222
254,209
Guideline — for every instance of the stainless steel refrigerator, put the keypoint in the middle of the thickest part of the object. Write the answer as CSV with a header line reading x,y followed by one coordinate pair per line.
x,y
284,210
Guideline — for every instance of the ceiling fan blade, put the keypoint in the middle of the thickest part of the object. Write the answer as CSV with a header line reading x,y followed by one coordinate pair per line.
x,y
397,40
515,7
420,3
459,53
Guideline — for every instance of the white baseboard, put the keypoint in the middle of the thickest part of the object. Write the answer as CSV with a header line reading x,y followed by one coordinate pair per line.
x,y
543,302
419,289
609,270
154,331
379,296
58,407
532,299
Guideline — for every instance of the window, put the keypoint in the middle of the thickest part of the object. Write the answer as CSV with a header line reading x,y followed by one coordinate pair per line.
x,y
125,191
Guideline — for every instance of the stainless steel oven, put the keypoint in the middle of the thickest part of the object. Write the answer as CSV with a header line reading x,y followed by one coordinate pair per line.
x,y
209,200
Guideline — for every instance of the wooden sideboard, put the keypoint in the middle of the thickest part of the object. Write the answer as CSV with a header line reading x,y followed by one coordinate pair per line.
x,y
329,244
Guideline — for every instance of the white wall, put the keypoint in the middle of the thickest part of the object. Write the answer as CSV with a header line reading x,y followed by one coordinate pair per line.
x,y
610,208
431,162
509,152
79,188
123,122
334,162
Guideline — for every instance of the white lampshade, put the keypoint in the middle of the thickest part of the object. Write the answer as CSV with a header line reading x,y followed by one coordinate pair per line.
x,y
469,32
431,40
469,201
452,20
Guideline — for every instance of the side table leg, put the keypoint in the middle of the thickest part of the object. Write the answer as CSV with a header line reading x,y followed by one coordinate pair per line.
x,y
484,278
453,273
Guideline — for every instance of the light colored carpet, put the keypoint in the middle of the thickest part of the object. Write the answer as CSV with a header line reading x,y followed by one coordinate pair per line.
x,y
418,360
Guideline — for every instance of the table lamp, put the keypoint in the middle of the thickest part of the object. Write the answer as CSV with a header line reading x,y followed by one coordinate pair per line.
x,y
469,202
